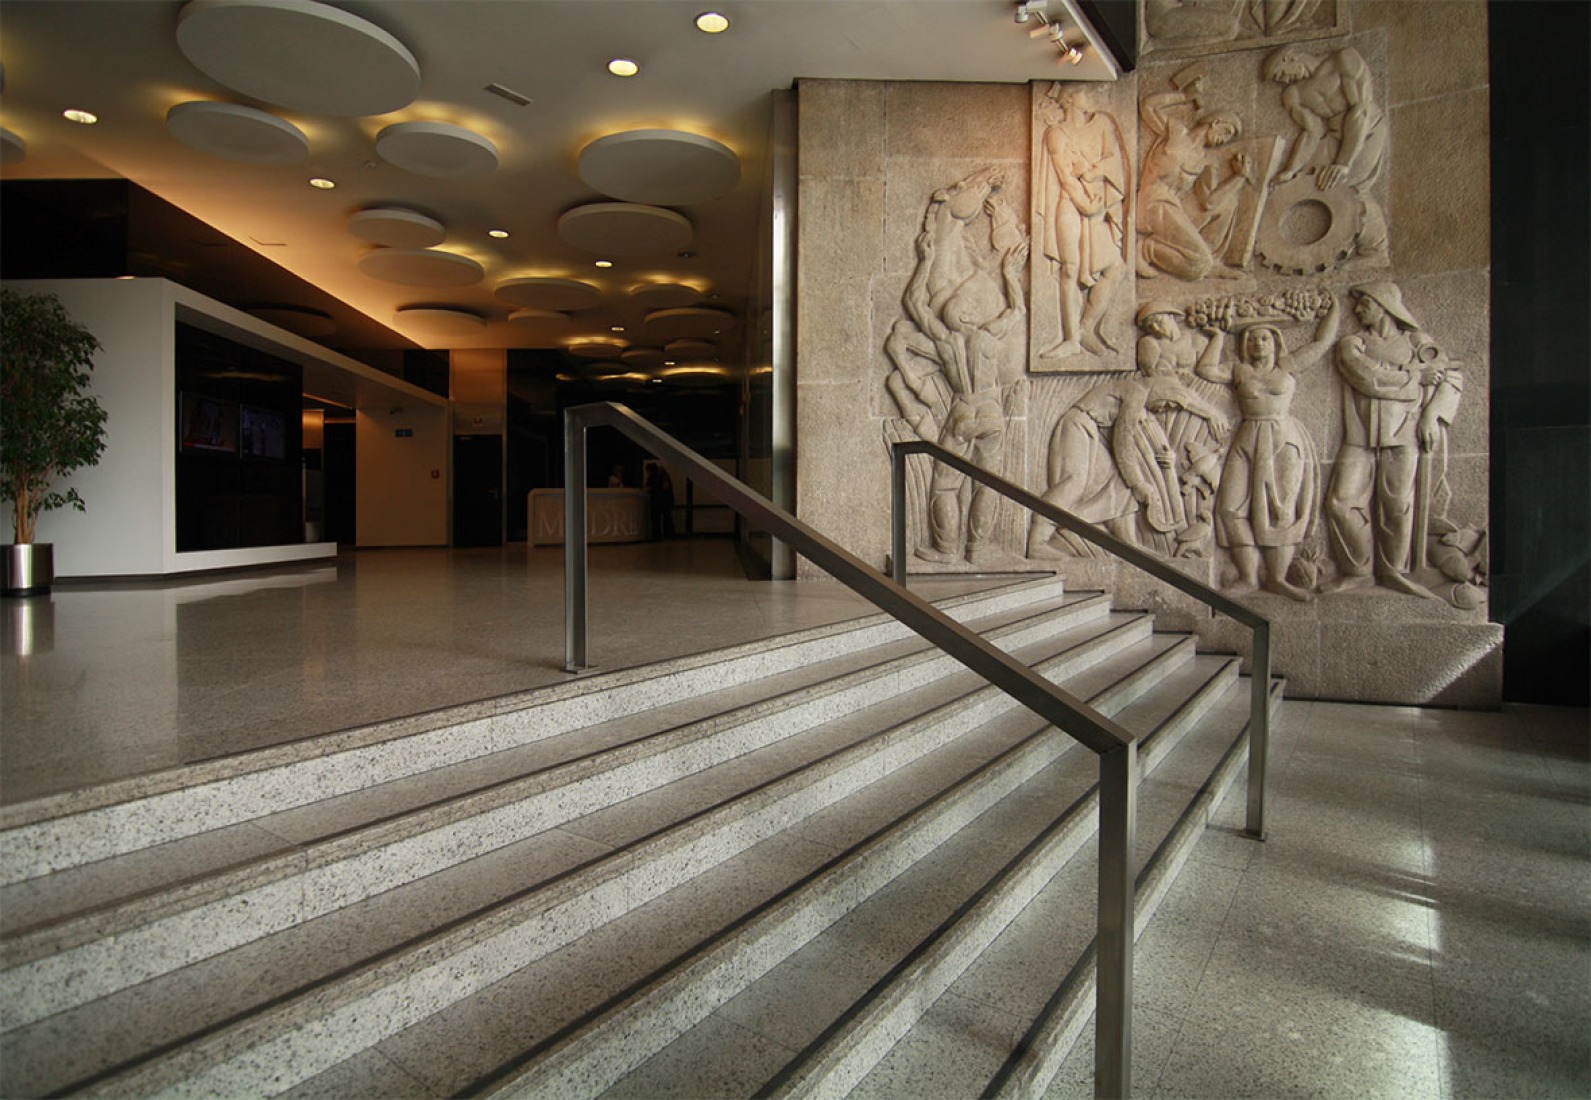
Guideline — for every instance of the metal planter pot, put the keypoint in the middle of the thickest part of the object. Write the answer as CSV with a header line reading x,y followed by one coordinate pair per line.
x,y
27,569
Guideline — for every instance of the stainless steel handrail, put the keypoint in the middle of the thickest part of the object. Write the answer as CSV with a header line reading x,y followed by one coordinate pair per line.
x,y
1118,755
1260,668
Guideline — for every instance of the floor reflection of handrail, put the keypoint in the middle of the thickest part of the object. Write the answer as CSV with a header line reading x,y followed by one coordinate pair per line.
x,y
1260,668
1118,755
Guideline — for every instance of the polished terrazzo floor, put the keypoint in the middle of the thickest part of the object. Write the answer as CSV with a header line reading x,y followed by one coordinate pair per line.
x,y
1418,923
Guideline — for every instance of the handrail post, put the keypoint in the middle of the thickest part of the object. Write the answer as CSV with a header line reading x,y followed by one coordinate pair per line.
x,y
897,515
575,562
1118,815
1259,730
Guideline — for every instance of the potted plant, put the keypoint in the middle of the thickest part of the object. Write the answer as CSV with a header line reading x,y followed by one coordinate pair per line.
x,y
49,425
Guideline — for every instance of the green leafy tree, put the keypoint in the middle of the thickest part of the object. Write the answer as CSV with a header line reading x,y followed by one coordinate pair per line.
x,y
49,425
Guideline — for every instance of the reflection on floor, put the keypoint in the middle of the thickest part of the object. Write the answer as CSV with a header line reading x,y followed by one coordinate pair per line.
x,y
1418,923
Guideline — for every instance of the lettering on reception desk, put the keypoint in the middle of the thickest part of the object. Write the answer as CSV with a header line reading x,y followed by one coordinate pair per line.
x,y
403,433
612,515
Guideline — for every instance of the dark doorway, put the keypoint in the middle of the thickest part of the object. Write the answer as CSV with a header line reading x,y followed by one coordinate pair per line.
x,y
478,490
339,460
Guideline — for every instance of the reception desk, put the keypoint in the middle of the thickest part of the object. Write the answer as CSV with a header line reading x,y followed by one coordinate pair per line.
x,y
612,515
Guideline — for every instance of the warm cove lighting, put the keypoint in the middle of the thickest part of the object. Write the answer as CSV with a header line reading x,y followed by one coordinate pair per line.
x,y
623,66
712,22
87,118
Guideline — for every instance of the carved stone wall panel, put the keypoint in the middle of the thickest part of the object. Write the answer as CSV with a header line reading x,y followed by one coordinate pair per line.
x,y
1188,28
1217,430
1084,170
844,230
843,119
1443,215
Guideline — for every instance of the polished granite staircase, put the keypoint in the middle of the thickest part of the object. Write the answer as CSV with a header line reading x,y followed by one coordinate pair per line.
x,y
835,862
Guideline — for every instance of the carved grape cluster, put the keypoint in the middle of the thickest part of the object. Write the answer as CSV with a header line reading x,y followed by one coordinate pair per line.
x,y
1231,311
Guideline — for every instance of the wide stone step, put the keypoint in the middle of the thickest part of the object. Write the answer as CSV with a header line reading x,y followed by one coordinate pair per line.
x,y
614,882
851,992
69,962
62,831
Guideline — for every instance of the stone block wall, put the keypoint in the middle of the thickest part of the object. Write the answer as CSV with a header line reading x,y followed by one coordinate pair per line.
x,y
1232,307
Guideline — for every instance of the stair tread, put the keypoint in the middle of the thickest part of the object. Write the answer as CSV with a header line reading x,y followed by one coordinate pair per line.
x,y
53,897
873,825
274,965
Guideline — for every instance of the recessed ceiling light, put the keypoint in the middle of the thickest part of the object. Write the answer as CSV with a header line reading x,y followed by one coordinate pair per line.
x,y
500,234
604,263
87,118
712,22
623,66
617,328
323,183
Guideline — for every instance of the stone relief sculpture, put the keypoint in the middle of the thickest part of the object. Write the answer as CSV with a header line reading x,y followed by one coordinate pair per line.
x,y
957,355
1270,484
1322,210
1085,179
1142,454
1199,26
1192,186
1400,394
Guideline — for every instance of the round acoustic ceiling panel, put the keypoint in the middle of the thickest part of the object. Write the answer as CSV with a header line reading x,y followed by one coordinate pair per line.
x,y
299,54
396,227
439,320
664,295
625,229
596,349
438,149
239,133
661,167
306,322
546,326
644,358
420,267
13,150
698,321
691,347
549,293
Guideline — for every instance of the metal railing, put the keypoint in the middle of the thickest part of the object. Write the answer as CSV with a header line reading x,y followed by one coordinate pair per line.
x,y
1113,744
1260,666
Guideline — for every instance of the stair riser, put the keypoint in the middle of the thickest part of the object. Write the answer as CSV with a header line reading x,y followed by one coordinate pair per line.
x,y
30,850
325,1027
288,893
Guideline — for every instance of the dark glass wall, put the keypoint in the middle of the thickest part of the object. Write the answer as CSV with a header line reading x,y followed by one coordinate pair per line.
x,y
239,445
1541,348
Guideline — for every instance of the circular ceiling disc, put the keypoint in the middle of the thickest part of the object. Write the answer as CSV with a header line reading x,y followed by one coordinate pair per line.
x,y
690,347
13,150
299,54
671,324
549,293
661,167
643,357
596,349
546,326
437,149
233,132
420,267
439,321
396,227
310,323
625,229
665,295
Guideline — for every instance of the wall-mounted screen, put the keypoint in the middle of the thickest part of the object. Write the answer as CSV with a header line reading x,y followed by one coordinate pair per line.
x,y
262,432
208,424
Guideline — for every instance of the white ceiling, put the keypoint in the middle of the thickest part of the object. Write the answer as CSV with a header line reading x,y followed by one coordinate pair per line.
x,y
121,60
